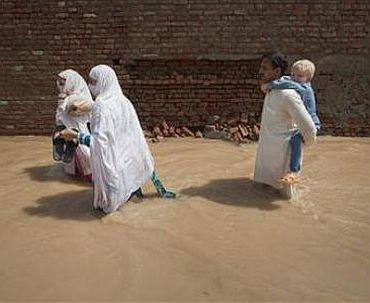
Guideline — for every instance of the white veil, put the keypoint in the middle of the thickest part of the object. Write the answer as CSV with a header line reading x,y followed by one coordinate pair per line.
x,y
121,159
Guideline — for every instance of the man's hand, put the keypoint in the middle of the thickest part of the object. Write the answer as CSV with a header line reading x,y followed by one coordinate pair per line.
x,y
68,134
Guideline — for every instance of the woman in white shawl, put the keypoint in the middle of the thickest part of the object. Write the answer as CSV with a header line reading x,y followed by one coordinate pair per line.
x,y
74,107
120,156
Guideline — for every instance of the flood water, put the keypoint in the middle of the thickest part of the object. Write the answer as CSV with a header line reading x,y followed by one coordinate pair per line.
x,y
225,237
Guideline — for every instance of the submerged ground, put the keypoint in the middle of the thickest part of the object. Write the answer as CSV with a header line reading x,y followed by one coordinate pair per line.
x,y
225,238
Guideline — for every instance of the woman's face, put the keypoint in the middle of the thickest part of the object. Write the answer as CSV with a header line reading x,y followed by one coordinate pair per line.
x,y
93,86
60,83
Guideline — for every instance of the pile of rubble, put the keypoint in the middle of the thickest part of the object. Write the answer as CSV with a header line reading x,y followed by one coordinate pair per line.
x,y
159,132
239,130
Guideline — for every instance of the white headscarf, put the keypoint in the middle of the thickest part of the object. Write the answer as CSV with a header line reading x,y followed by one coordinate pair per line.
x,y
121,159
74,90
75,84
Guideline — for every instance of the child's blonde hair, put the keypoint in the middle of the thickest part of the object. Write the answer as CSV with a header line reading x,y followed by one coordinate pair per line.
x,y
305,66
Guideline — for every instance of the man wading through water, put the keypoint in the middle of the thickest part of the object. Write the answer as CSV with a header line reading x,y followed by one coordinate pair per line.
x,y
283,114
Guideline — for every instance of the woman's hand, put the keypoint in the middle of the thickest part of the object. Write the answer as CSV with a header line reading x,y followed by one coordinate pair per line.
x,y
68,134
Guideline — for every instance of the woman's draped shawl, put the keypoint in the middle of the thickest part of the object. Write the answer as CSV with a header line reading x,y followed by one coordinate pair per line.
x,y
121,159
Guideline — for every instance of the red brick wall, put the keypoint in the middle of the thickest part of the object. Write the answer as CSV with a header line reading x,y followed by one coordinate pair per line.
x,y
183,61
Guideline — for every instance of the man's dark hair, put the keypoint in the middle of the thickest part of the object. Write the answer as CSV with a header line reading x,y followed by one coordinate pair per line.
x,y
277,60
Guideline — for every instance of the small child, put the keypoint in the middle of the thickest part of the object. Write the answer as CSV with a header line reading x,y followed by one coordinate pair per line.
x,y
302,73
71,112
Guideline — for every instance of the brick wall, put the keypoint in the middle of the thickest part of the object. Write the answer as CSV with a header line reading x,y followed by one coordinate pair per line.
x,y
183,60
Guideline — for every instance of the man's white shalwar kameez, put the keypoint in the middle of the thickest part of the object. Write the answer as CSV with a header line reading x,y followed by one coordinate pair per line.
x,y
283,113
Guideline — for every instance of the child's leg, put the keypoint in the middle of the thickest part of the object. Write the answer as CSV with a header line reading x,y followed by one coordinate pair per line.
x,y
69,151
160,188
296,152
295,162
58,149
58,143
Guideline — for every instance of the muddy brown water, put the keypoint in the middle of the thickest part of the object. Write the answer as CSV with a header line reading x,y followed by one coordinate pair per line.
x,y
225,237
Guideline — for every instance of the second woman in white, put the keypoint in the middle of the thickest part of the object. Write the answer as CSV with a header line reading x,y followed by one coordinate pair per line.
x,y
120,157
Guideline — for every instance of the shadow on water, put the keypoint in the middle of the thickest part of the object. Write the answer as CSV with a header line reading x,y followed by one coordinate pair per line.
x,y
77,205
237,192
54,172
74,205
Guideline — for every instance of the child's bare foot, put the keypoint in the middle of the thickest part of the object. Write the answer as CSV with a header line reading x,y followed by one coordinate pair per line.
x,y
291,178
289,181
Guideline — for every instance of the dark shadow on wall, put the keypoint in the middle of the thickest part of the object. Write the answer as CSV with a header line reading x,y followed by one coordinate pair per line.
x,y
242,192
